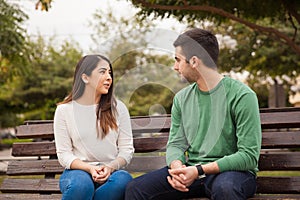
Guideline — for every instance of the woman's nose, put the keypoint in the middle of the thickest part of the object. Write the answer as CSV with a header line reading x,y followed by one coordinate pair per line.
x,y
108,76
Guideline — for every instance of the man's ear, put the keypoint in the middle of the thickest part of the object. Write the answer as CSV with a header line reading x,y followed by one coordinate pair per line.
x,y
194,61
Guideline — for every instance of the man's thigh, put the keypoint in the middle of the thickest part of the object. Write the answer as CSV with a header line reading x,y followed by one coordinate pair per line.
x,y
155,185
237,183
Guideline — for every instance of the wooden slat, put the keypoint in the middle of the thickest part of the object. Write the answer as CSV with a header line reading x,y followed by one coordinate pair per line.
x,y
274,161
150,144
278,185
48,148
151,124
12,185
34,149
279,161
34,167
35,131
281,139
20,196
45,121
147,144
146,163
276,197
280,120
279,109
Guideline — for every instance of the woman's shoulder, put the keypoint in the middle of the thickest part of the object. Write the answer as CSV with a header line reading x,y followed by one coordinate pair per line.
x,y
120,105
64,106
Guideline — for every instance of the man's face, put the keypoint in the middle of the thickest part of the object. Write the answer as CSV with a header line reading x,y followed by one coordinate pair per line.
x,y
182,65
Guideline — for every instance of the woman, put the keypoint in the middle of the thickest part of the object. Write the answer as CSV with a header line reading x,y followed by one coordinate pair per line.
x,y
93,135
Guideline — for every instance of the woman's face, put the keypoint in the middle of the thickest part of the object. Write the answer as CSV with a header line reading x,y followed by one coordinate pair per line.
x,y
100,79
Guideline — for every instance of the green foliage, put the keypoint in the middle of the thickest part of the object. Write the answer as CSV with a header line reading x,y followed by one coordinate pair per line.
x,y
48,79
257,53
12,40
274,23
250,9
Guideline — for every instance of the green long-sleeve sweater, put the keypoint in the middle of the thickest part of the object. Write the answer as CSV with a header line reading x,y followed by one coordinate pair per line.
x,y
221,125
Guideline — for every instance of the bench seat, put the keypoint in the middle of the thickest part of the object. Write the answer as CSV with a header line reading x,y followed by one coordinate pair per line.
x,y
34,174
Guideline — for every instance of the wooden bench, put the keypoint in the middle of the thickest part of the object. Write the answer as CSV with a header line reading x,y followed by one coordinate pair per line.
x,y
280,152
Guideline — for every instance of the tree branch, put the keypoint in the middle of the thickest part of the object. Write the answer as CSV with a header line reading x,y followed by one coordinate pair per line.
x,y
290,8
265,30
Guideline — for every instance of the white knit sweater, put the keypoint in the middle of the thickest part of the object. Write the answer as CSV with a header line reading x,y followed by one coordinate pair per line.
x,y
76,136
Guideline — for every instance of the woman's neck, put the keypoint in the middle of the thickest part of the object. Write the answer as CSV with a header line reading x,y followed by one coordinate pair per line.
x,y
88,98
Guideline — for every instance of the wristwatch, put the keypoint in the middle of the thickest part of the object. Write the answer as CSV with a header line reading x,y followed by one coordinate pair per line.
x,y
201,173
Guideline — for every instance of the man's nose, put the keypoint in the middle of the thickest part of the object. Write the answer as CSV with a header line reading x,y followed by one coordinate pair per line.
x,y
175,67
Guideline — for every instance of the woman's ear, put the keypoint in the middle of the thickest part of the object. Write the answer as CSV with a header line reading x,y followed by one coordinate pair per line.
x,y
84,78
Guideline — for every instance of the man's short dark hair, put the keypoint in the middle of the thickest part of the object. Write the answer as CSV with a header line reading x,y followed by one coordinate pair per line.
x,y
200,43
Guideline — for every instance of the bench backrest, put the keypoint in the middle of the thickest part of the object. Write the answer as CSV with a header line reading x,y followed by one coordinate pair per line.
x,y
280,148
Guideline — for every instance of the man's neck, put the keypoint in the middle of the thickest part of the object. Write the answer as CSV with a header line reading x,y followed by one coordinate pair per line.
x,y
209,79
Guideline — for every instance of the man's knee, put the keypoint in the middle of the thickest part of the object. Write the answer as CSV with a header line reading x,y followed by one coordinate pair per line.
x,y
227,190
131,186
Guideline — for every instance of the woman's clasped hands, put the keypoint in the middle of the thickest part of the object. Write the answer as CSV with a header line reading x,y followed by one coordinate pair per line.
x,y
100,173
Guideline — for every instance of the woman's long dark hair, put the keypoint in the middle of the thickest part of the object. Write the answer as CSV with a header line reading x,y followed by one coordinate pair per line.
x,y
106,110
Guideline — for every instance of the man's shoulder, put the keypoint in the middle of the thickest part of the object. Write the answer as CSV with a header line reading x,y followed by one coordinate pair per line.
x,y
186,90
237,85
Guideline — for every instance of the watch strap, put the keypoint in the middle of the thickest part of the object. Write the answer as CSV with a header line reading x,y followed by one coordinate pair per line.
x,y
201,173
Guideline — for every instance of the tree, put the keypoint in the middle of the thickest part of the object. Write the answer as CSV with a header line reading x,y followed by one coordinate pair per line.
x,y
12,40
248,13
34,94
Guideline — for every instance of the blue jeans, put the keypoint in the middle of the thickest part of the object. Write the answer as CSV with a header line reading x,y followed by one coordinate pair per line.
x,y
79,185
231,185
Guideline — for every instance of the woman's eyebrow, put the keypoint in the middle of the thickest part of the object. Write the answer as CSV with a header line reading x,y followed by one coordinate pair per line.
x,y
105,68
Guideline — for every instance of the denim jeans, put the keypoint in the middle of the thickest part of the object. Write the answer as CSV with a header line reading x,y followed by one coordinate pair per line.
x,y
79,185
231,185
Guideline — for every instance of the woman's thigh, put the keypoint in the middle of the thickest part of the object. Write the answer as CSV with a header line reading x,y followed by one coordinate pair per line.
x,y
114,187
76,184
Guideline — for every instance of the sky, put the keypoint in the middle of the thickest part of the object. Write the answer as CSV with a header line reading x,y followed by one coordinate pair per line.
x,y
70,18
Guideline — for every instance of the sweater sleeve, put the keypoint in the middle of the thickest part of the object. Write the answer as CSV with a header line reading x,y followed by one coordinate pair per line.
x,y
125,139
177,143
248,133
63,141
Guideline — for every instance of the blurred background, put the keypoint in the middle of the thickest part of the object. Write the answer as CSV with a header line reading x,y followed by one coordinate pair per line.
x,y
42,40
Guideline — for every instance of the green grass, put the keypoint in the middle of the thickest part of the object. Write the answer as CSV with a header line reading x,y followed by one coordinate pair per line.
x,y
278,173
11,141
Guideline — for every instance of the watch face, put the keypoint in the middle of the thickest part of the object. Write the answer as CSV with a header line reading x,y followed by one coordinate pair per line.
x,y
201,176
200,170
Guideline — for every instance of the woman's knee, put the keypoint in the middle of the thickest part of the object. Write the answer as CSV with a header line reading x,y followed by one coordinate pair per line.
x,y
76,184
121,177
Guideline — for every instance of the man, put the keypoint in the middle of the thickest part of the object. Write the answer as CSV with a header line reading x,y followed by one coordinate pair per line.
x,y
215,134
